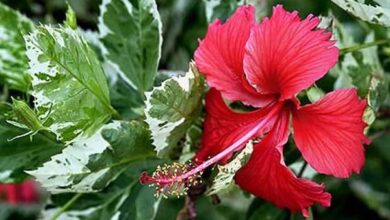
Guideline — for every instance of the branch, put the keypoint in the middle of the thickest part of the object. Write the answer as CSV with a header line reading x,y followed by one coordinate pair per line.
x,y
362,46
66,206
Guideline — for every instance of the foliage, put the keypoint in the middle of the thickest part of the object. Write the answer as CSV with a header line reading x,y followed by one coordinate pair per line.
x,y
13,61
65,73
90,163
379,14
134,51
94,97
171,109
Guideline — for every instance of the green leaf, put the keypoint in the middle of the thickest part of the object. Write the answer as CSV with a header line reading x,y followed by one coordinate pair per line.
x,y
221,9
268,211
261,7
131,36
369,116
225,177
90,163
172,108
69,85
376,200
378,91
260,209
145,205
372,186
26,115
23,153
124,199
130,202
361,69
314,94
70,20
13,61
125,99
191,144
373,14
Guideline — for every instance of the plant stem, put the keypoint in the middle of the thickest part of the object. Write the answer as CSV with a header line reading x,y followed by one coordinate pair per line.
x,y
5,94
66,206
362,46
115,114
188,211
379,134
302,170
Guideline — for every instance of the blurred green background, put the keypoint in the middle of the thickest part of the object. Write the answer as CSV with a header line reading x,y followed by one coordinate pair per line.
x,y
364,196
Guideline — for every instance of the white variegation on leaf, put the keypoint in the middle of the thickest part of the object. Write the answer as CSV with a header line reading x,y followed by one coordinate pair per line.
x,y
314,94
379,14
220,9
172,108
361,69
326,22
13,61
62,171
90,163
21,154
117,201
131,36
69,85
225,177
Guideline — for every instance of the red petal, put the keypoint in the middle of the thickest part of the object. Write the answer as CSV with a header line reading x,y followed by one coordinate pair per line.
x,y
220,56
266,175
28,191
223,126
12,193
285,55
329,133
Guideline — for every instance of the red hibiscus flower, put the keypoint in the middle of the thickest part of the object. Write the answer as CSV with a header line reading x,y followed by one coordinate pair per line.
x,y
266,65
25,192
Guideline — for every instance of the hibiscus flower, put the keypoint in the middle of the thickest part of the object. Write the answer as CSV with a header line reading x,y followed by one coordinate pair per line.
x,y
26,192
265,66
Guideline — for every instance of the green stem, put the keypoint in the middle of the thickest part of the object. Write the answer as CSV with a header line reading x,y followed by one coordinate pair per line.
x,y
362,46
302,170
5,94
115,114
66,206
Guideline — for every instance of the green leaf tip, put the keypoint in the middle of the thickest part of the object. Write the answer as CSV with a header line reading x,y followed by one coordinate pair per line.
x,y
71,19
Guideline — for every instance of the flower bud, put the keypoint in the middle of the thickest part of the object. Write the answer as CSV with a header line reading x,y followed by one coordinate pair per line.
x,y
26,115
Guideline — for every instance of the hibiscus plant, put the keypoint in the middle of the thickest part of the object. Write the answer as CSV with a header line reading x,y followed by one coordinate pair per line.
x,y
273,117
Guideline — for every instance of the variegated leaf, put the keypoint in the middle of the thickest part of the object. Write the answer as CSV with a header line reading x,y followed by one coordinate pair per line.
x,y
23,153
374,14
13,61
314,93
225,177
69,85
91,163
125,198
172,108
222,9
361,69
131,36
